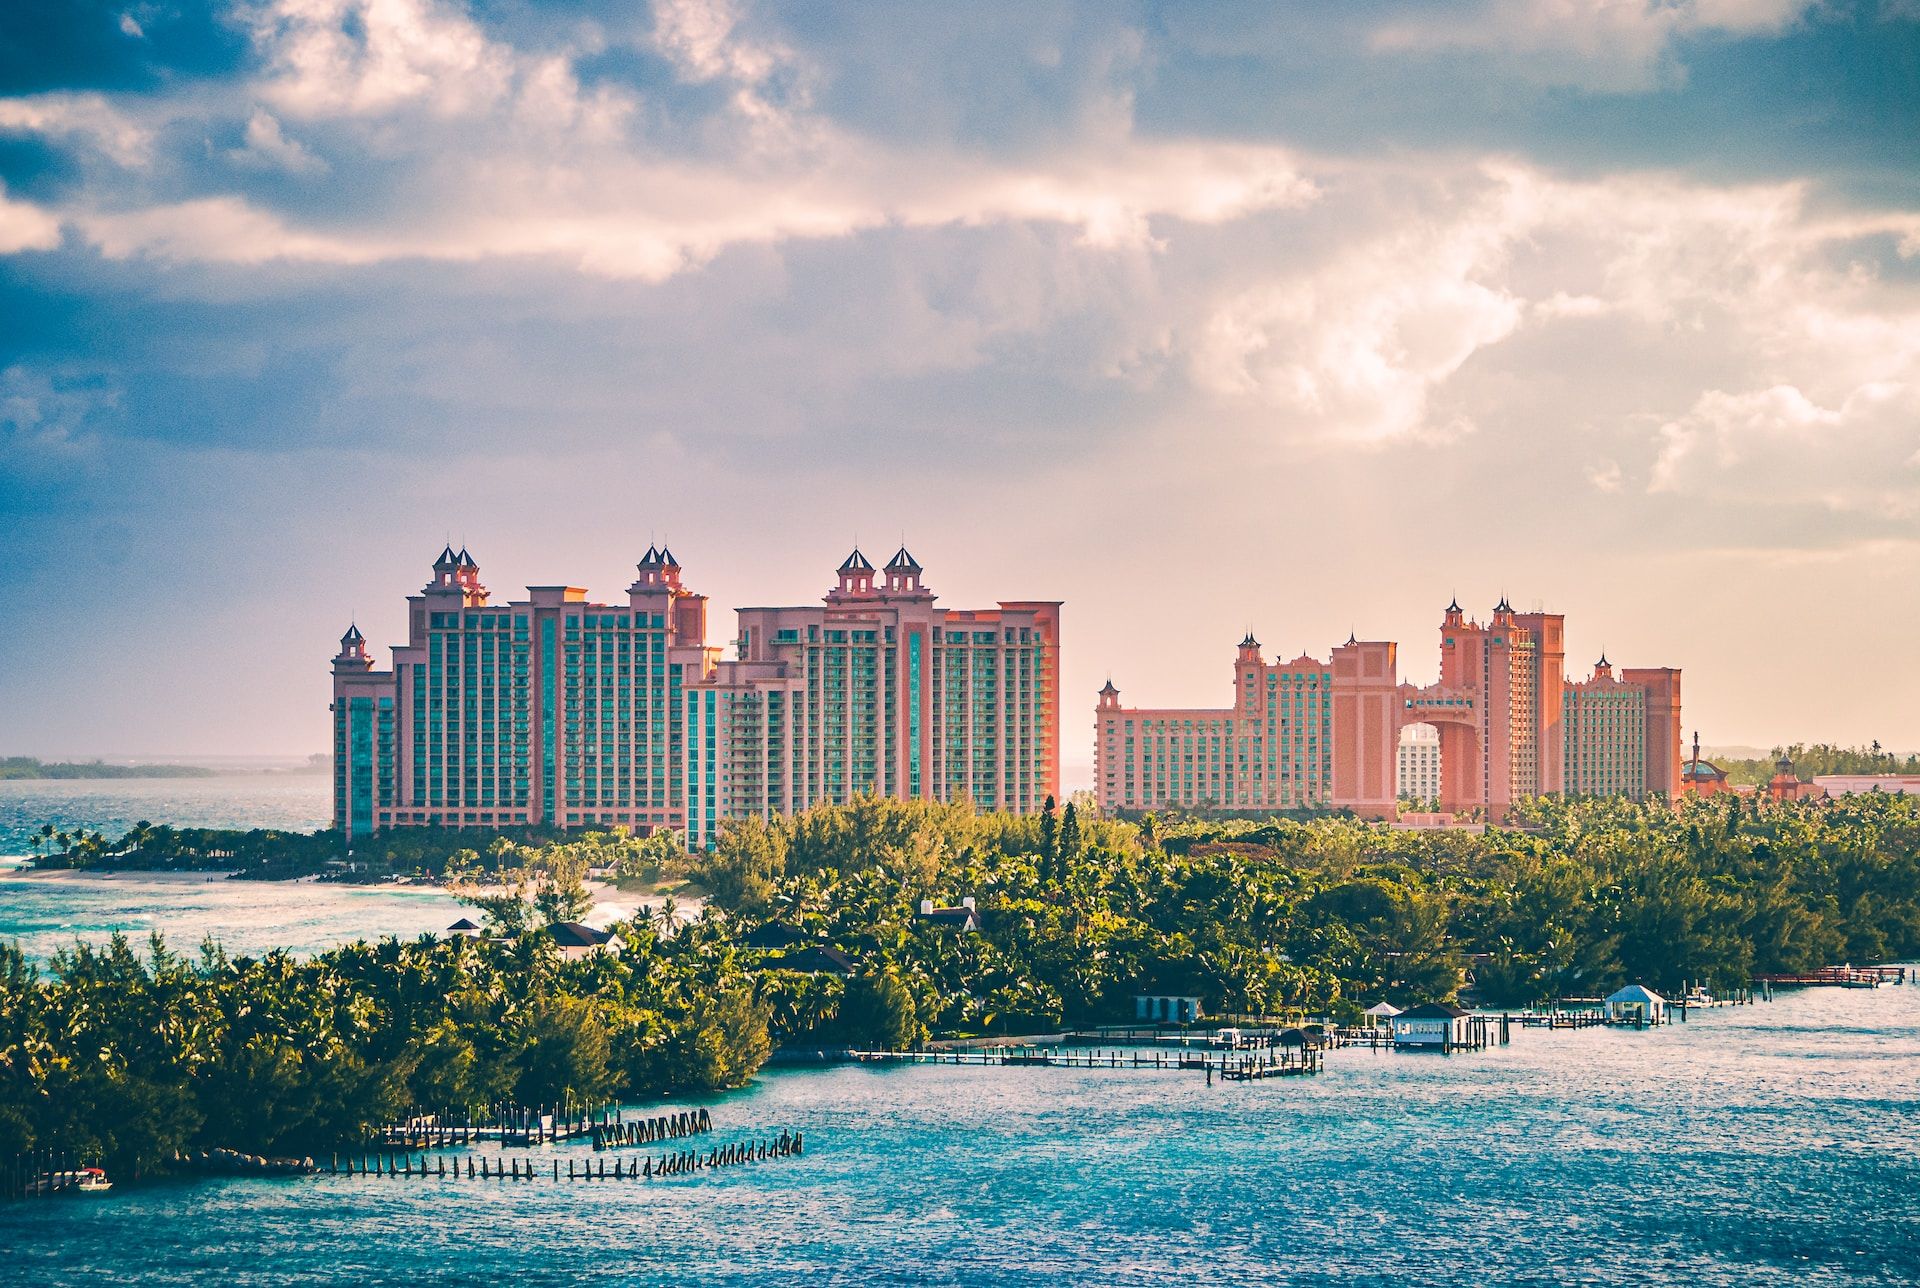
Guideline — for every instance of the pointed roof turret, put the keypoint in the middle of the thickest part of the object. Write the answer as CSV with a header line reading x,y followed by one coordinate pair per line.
x,y
1503,606
856,562
447,561
903,562
651,559
352,656
1453,605
666,558
1602,663
1248,641
1107,690
465,560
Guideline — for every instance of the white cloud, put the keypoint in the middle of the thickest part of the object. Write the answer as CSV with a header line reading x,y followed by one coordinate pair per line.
x,y
1352,351
700,37
363,57
267,147
219,230
24,226
85,118
1779,446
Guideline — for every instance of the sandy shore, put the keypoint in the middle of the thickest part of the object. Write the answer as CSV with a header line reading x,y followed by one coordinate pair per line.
x,y
609,903
93,874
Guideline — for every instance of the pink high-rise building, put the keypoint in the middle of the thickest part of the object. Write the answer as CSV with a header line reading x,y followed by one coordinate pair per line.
x,y
561,712
1310,734
877,690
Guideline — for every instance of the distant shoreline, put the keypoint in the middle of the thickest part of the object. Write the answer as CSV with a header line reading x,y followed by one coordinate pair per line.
x,y
27,769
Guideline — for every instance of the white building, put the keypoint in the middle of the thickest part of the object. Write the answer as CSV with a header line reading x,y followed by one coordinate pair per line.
x,y
1436,1025
1418,760
1381,1011
1637,1004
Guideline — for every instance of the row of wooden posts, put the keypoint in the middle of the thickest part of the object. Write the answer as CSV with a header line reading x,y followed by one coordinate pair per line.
x,y
484,1167
647,1131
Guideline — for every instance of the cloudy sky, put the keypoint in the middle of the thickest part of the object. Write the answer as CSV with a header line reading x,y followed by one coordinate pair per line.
x,y
1198,316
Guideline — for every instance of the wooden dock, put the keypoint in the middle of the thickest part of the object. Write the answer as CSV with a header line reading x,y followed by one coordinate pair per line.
x,y
1233,1066
604,1127
1837,977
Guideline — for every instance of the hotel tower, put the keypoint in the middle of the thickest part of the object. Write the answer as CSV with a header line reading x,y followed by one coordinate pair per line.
x,y
559,712
1309,734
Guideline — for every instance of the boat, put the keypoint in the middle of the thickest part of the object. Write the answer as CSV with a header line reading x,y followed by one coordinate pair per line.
x,y
93,1180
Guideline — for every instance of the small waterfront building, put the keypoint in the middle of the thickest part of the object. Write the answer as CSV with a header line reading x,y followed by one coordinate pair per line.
x,y
1439,1025
464,928
1167,1008
963,917
576,940
1637,1004
1381,1011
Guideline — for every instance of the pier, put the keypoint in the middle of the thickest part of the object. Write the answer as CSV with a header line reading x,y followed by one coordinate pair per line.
x,y
1836,977
486,1167
1273,1062
519,1128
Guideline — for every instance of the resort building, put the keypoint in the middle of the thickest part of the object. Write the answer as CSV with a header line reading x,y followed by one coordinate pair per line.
x,y
557,711
1418,771
1623,733
1501,724
549,710
876,690
1304,734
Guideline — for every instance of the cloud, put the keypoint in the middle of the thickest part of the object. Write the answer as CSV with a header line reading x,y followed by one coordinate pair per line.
x,y
1778,446
268,148
333,58
1608,45
87,119
26,227
1352,350
44,423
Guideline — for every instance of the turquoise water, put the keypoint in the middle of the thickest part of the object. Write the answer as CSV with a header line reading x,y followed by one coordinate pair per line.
x,y
47,911
1767,1144
50,911
291,802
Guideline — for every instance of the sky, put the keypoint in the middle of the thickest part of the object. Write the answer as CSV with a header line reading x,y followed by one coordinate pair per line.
x,y
1201,317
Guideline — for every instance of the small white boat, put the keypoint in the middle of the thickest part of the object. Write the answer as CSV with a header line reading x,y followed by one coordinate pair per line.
x,y
93,1180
